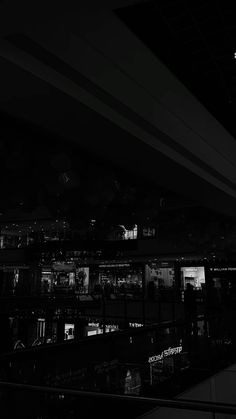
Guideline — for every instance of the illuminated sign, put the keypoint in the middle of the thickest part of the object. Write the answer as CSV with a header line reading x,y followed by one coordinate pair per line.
x,y
112,326
167,352
135,325
113,265
108,326
93,324
223,269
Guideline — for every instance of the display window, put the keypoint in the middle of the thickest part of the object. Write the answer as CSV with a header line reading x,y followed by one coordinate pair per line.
x,y
160,276
130,234
61,279
194,276
46,281
51,336
96,328
82,280
121,278
69,331
40,328
64,277
93,328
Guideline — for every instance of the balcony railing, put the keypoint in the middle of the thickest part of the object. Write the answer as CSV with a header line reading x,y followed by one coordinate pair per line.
x,y
34,402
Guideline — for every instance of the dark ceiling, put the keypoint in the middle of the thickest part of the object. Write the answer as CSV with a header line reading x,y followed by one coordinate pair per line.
x,y
76,165
196,40
44,177
41,170
61,124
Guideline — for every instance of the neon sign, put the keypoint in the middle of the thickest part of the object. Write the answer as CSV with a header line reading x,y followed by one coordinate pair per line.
x,y
135,325
167,352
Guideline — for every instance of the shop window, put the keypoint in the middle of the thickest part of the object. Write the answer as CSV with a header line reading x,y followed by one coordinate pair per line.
x,y
130,234
82,280
164,277
40,328
69,331
194,276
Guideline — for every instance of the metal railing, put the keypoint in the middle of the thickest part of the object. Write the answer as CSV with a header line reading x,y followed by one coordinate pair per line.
x,y
37,405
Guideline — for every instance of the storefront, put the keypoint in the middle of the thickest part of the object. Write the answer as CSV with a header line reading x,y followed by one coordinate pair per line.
x,y
97,328
121,278
166,363
160,280
223,276
161,274
46,280
82,279
64,277
194,275
69,331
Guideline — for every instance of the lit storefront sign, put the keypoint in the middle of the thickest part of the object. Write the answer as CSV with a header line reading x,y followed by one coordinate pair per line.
x,y
111,326
113,265
93,324
222,269
163,364
135,325
167,352
95,328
